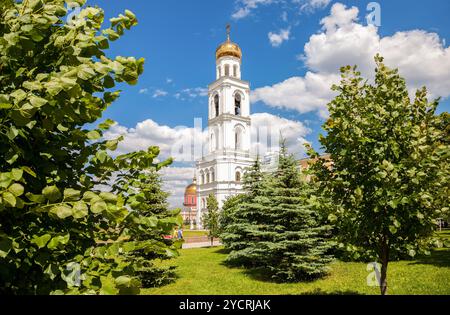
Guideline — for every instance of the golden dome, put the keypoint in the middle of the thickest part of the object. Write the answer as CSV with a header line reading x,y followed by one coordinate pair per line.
x,y
228,48
192,188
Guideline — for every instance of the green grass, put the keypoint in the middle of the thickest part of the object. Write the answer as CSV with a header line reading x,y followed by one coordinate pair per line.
x,y
202,272
190,233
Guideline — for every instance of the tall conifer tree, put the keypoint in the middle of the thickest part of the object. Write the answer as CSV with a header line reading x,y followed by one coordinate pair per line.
x,y
248,220
299,246
278,225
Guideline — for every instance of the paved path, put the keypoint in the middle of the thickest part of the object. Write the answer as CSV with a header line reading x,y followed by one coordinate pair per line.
x,y
200,245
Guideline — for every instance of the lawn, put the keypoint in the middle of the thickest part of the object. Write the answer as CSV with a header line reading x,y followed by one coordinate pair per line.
x,y
202,272
191,233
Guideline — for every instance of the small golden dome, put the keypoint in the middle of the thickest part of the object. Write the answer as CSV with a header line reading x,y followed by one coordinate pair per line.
x,y
228,48
192,188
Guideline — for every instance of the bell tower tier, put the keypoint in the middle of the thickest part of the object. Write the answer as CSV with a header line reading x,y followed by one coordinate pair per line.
x,y
229,130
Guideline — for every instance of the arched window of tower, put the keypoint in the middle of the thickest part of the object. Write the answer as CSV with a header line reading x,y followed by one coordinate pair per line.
x,y
207,177
202,176
237,104
216,105
235,71
227,70
238,176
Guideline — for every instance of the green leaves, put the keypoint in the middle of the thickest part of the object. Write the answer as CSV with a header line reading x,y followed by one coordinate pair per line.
x,y
71,194
16,189
41,241
12,133
5,246
98,206
108,286
16,174
58,241
52,193
106,124
9,199
80,210
85,73
393,229
62,211
93,135
18,95
5,105
108,197
37,101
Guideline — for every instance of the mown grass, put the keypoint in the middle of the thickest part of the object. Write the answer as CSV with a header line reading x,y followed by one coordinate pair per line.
x,y
190,233
203,272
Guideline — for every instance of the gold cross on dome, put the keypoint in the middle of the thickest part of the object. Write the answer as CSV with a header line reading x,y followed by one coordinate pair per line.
x,y
228,31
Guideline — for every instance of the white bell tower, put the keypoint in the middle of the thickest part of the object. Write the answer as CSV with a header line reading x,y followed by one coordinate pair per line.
x,y
220,172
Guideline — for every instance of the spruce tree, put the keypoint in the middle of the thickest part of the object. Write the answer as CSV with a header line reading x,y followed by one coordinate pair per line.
x,y
297,244
248,221
278,225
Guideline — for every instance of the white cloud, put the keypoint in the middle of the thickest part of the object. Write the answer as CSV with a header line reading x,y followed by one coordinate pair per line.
x,y
195,92
421,57
246,6
169,80
149,133
276,39
312,5
191,93
294,132
143,91
303,94
159,93
265,132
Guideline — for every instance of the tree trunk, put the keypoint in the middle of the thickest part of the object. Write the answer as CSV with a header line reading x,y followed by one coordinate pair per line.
x,y
212,241
384,267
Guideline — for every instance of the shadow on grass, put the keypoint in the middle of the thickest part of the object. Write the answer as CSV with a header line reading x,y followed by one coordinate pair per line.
x,y
438,258
264,274
222,251
321,292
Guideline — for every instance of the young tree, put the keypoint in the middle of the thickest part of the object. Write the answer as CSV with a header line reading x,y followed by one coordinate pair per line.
x,y
58,233
139,184
211,218
387,174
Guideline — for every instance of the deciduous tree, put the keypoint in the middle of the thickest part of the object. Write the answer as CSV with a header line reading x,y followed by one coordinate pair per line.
x,y
58,232
211,218
390,165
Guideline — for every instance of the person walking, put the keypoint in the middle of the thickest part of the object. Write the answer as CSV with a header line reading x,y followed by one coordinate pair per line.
x,y
180,233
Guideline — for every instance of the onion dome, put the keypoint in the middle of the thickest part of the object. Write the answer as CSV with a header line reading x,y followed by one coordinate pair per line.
x,y
228,48
191,189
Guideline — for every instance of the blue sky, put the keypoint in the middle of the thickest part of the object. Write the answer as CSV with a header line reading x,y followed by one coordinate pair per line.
x,y
288,75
